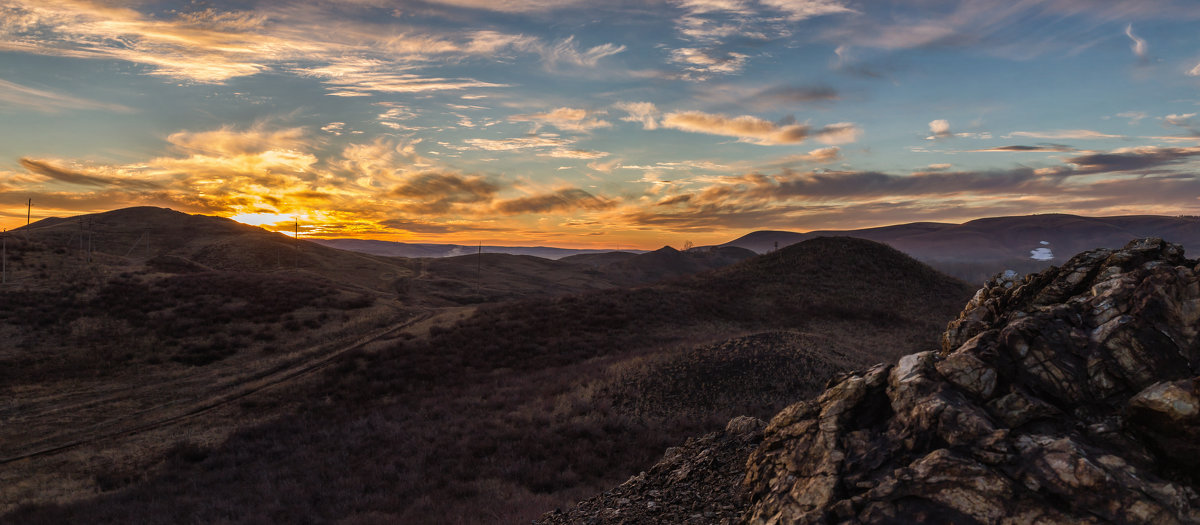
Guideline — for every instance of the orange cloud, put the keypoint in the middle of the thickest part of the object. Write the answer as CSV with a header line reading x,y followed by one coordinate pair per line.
x,y
745,128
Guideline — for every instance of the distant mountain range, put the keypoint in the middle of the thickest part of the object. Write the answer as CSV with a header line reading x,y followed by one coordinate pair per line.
x,y
977,249
404,249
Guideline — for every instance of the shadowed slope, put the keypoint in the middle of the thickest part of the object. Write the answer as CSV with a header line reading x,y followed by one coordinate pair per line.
x,y
524,406
1067,397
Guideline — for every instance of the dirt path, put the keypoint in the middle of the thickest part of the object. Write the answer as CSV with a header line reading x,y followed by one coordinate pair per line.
x,y
172,407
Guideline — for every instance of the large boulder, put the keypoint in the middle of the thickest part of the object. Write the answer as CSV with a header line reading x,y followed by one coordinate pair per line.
x,y
1070,396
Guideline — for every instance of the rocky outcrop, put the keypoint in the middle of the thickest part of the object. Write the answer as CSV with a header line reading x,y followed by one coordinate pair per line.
x,y
1070,396
697,483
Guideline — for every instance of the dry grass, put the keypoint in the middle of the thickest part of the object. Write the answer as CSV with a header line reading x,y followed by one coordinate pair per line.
x,y
520,407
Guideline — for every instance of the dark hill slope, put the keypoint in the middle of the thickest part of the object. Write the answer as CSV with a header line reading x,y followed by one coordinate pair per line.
x,y
1070,396
174,242
669,263
529,405
494,277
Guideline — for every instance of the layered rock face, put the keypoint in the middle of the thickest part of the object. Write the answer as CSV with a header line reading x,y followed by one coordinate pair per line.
x,y
1071,396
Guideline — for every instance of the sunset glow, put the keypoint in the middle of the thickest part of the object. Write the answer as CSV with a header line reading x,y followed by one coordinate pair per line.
x,y
584,124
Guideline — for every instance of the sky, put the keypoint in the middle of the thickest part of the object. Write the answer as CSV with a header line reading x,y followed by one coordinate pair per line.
x,y
609,124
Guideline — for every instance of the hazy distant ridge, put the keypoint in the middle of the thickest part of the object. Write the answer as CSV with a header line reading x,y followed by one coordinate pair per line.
x,y
403,249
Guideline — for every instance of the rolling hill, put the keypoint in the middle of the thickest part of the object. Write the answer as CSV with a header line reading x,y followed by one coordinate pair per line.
x,y
522,406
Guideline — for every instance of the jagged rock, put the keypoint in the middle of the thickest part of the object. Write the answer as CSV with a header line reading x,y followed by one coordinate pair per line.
x,y
1071,396
697,483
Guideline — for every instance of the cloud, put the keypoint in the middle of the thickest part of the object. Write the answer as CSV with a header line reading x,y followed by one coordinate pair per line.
x,y
567,51
704,62
1139,47
1014,30
1065,134
829,154
511,6
1021,148
796,95
335,128
353,57
605,167
838,133
559,201
802,9
419,226
1135,117
350,77
438,193
644,112
49,101
816,156
1194,72
745,128
229,141
568,153
939,128
567,119
1186,120
79,178
517,143
1131,159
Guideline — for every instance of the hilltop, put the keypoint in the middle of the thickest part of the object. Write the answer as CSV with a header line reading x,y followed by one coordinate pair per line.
x,y
522,406
176,242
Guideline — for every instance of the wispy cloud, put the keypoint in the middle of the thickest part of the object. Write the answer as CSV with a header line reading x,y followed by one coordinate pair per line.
x,y
644,112
518,143
702,63
567,51
754,130
80,178
562,200
1065,134
362,76
1026,149
745,128
1139,47
16,95
211,46
567,119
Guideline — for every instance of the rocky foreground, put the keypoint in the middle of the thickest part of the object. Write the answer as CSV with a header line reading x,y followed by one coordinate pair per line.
x,y
1071,396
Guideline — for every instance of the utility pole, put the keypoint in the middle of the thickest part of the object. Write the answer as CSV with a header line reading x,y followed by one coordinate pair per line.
x,y
4,265
28,210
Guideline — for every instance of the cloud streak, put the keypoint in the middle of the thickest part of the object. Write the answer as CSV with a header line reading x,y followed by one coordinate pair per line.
x,y
754,130
19,96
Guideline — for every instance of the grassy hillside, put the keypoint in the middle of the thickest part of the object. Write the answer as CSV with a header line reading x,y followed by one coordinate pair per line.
x,y
527,405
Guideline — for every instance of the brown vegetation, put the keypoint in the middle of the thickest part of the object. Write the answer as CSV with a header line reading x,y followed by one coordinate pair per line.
x,y
528,405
